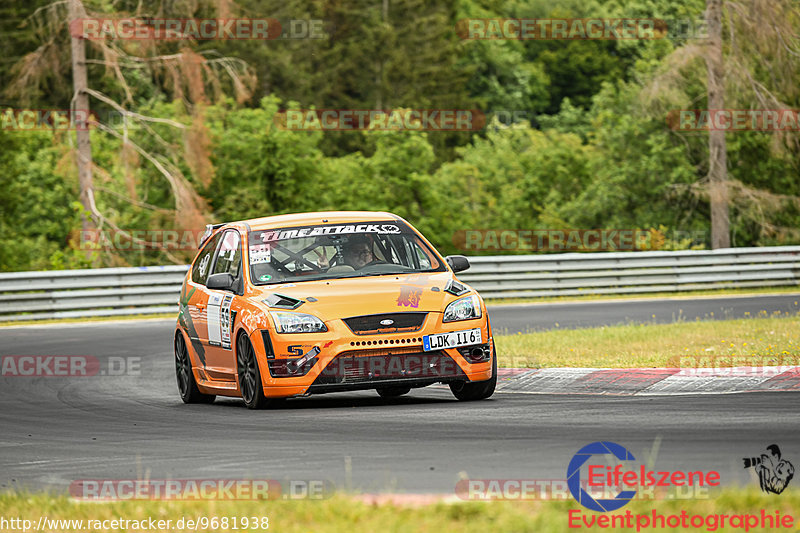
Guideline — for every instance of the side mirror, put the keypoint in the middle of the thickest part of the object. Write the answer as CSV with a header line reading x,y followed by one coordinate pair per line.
x,y
458,263
220,282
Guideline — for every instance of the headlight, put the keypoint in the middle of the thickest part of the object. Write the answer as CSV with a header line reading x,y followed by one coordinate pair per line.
x,y
297,323
463,309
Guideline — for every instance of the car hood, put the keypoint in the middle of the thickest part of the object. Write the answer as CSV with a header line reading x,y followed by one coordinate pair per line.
x,y
365,296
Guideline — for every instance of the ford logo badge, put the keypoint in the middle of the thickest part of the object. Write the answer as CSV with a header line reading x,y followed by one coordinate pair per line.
x,y
387,322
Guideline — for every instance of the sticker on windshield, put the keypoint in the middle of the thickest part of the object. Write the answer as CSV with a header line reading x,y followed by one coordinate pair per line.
x,y
260,253
380,229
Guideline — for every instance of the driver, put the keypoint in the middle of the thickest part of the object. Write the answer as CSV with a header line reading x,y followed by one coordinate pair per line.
x,y
357,252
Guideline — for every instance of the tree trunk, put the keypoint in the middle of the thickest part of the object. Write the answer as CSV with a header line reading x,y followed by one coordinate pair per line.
x,y
80,114
379,69
717,149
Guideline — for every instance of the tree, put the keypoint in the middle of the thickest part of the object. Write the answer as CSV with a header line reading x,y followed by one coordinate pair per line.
x,y
192,77
81,107
756,46
717,149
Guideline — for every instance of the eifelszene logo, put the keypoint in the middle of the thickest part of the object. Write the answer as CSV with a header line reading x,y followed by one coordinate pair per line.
x,y
604,480
574,476
774,473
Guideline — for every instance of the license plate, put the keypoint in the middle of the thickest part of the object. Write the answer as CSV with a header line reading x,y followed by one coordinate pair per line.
x,y
454,339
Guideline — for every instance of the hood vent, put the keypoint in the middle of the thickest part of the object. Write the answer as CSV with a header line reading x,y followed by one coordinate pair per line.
x,y
455,288
279,301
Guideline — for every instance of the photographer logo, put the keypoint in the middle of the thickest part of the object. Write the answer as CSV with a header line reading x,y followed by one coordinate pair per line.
x,y
574,476
774,473
610,487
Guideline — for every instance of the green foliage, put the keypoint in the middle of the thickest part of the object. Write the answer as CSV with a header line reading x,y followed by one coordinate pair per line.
x,y
639,172
587,145
260,169
37,213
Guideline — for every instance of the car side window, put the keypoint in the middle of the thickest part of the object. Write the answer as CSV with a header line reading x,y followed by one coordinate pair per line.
x,y
229,254
422,257
202,265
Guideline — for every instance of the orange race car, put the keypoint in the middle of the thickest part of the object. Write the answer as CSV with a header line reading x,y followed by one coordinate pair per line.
x,y
293,305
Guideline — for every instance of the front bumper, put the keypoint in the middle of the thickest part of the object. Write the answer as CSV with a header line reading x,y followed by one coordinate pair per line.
x,y
346,361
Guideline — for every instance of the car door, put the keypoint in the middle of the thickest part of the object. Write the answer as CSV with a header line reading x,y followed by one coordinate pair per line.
x,y
220,359
196,300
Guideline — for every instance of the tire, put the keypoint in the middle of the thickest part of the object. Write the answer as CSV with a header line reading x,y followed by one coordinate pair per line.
x,y
480,390
393,392
249,376
187,386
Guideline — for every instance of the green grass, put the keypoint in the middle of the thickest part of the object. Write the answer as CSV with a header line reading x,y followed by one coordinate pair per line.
x,y
792,289
341,513
722,343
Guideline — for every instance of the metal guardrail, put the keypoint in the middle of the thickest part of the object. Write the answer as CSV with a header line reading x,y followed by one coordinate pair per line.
x,y
151,290
570,274
90,293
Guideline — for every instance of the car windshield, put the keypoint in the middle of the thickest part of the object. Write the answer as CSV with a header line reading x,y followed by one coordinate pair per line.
x,y
336,251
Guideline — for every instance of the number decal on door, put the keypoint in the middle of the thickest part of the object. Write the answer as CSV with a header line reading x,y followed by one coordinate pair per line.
x,y
219,320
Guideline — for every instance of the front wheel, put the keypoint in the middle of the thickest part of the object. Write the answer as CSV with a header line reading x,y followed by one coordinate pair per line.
x,y
250,383
187,385
466,391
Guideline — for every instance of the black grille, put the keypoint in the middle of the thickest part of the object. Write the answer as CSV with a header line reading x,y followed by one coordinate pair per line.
x,y
344,368
371,324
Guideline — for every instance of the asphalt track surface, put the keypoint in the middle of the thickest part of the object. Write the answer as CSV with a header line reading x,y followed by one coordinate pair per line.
x,y
54,431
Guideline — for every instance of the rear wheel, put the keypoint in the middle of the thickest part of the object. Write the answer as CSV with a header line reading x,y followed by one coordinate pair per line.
x,y
187,385
393,392
250,383
466,391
